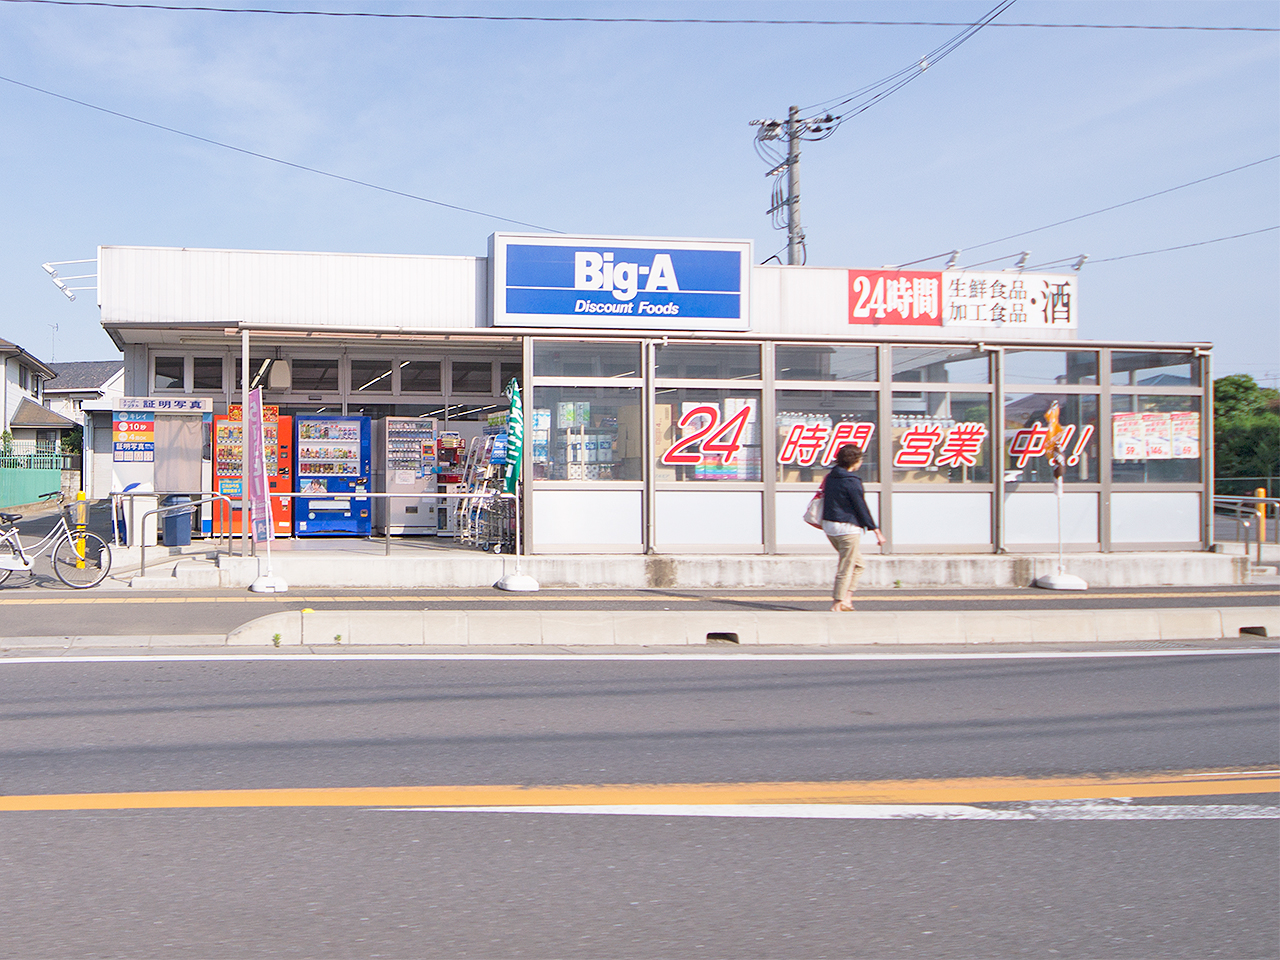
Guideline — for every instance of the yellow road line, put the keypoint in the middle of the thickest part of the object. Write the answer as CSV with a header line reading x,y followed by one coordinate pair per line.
x,y
956,790
588,597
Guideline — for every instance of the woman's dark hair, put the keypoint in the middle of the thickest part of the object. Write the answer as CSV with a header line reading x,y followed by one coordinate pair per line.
x,y
848,456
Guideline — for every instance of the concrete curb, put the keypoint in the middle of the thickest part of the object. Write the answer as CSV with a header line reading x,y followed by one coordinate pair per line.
x,y
337,628
694,572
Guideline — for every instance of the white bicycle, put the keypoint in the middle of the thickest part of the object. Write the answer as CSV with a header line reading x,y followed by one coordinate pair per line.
x,y
80,559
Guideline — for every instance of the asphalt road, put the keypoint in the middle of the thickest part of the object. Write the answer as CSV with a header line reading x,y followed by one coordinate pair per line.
x,y
37,608
381,880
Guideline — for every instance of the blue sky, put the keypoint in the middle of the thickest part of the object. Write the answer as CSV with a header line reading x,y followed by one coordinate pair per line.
x,y
642,129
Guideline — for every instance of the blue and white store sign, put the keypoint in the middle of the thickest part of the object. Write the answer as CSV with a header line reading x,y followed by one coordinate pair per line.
x,y
619,283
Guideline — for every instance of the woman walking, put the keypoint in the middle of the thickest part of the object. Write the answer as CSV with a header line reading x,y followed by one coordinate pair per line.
x,y
844,518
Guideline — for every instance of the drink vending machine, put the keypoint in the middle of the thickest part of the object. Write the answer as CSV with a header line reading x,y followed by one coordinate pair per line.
x,y
404,456
228,439
451,455
332,457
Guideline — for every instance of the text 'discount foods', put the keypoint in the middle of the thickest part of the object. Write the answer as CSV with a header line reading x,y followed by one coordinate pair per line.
x,y
620,283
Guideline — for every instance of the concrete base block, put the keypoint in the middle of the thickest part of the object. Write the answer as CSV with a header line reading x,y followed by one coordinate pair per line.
x,y
382,627
860,627
1190,623
789,627
191,575
1235,619
322,628
162,582
330,629
578,628
981,627
260,632
930,627
1067,626
651,629
444,627
1127,624
746,626
331,567
494,628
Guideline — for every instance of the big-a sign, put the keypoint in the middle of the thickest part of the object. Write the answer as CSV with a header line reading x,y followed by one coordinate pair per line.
x,y
619,282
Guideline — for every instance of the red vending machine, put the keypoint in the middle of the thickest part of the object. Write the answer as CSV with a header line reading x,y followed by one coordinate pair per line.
x,y
228,438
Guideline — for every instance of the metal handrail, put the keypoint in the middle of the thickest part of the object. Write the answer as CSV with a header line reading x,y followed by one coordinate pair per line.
x,y
177,509
348,495
1256,508
386,531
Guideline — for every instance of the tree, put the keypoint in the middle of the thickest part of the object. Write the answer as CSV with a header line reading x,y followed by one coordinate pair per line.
x,y
1246,428
73,441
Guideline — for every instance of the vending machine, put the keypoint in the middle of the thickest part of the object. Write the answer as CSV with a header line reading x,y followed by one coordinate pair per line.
x,y
228,439
404,459
332,458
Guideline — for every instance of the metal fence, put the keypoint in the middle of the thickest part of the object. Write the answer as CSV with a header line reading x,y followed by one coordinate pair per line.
x,y
1246,486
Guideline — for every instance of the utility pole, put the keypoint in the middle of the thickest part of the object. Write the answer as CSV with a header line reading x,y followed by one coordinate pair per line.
x,y
795,236
792,131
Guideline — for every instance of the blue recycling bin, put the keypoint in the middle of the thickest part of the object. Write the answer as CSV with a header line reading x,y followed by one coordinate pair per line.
x,y
177,525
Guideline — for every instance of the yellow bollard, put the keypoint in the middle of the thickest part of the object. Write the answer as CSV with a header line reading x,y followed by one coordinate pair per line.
x,y
82,524
1262,514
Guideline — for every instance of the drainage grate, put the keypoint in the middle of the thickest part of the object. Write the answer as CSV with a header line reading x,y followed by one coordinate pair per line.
x,y
1253,631
722,638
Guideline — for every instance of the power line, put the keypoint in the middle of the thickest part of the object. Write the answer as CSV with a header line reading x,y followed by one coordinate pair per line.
x,y
785,206
527,18
1187,246
1146,253
287,163
823,127
1114,206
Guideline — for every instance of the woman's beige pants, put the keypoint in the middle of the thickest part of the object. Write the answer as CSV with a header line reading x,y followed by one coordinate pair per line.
x,y
849,566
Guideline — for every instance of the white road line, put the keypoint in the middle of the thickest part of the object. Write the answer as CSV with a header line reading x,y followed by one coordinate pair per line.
x,y
1043,811
13,657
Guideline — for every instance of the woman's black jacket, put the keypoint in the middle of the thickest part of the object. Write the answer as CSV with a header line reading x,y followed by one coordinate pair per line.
x,y
843,502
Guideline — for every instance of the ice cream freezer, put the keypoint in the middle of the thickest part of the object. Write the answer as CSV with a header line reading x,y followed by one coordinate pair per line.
x,y
405,461
332,460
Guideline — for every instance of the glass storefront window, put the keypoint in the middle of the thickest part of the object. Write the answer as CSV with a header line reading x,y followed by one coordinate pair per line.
x,y
940,365
169,374
1026,429
508,371
1051,366
585,433
315,376
824,362
259,368
555,358
419,376
471,376
941,437
206,373
1155,439
707,361
812,425
707,434
373,376
1154,369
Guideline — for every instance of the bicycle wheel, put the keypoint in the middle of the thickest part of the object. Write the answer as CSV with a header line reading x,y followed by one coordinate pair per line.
x,y
82,561
7,553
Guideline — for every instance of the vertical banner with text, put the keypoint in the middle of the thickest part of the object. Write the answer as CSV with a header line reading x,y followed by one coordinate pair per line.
x,y
256,467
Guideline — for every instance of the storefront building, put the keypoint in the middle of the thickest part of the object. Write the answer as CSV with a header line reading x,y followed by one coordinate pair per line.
x,y
679,398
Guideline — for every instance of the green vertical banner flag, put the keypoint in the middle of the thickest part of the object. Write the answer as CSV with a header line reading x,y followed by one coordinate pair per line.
x,y
515,435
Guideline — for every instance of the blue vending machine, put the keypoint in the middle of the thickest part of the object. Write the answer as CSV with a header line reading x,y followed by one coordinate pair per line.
x,y
332,462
